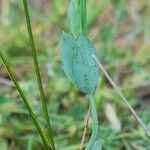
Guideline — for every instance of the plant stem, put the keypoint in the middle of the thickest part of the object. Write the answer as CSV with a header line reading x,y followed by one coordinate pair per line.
x,y
85,128
34,55
83,13
95,123
123,97
12,75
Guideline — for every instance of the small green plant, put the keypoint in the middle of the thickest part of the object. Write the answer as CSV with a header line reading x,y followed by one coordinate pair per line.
x,y
81,65
77,53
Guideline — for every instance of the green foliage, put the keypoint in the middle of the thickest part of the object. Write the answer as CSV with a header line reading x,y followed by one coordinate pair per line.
x,y
77,17
97,145
68,47
74,18
128,64
78,63
83,15
49,134
85,69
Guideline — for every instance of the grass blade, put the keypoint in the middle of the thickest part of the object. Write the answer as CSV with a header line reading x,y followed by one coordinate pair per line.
x,y
12,75
123,97
34,55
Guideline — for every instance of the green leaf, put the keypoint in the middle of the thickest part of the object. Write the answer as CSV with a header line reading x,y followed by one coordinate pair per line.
x,y
67,48
97,145
74,18
85,69
78,63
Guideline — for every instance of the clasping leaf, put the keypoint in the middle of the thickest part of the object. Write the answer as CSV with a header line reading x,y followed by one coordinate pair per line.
x,y
78,62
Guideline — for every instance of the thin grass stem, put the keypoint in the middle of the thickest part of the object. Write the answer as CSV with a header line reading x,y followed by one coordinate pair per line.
x,y
34,55
33,116
122,96
83,13
85,129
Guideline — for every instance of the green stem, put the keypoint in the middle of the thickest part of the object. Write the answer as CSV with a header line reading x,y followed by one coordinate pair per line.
x,y
83,13
11,73
34,55
95,123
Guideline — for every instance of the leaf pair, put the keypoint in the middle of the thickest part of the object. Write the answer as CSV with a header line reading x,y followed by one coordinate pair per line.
x,y
78,62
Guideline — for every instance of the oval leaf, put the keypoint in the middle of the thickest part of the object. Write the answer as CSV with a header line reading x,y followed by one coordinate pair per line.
x,y
78,63
85,69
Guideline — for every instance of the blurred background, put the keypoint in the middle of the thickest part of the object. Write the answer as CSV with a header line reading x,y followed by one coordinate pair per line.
x,y
120,31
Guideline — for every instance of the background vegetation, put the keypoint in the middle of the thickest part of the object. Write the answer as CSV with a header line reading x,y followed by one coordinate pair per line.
x,y
120,30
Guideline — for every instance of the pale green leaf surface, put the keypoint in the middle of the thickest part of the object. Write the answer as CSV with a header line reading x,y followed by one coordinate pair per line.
x,y
78,62
67,47
74,18
97,145
85,69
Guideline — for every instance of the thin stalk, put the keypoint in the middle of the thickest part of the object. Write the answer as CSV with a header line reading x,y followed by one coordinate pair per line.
x,y
34,55
85,128
123,97
95,123
12,75
83,13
